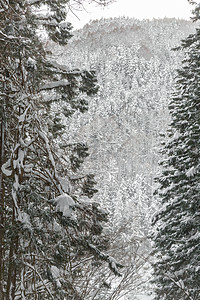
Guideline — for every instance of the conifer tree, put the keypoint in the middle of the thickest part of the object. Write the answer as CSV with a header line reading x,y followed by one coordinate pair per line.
x,y
177,234
48,224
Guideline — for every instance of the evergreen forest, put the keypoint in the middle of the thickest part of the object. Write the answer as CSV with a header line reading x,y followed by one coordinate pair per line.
x,y
99,155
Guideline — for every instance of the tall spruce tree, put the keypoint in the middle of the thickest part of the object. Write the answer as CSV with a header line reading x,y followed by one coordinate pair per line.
x,y
177,234
49,227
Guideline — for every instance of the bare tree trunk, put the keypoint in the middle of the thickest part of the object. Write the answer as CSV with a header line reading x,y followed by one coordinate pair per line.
x,y
14,242
10,270
11,280
2,199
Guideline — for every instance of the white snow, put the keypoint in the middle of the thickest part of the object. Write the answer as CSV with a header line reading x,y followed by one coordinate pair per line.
x,y
28,168
138,297
144,297
22,116
54,84
5,170
7,36
191,172
64,204
56,227
65,184
16,184
32,62
85,200
176,135
25,220
44,137
18,163
31,1
56,274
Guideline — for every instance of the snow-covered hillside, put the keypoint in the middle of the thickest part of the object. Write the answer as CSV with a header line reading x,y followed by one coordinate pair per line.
x,y
135,68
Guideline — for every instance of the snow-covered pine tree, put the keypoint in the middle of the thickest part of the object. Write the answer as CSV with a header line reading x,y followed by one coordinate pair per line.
x,y
49,227
177,234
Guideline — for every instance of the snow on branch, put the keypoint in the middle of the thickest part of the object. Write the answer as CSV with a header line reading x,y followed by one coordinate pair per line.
x,y
6,168
42,280
7,36
32,2
11,37
60,67
53,177
64,204
113,264
191,172
24,218
45,139
54,84
63,69
4,5
23,115
56,275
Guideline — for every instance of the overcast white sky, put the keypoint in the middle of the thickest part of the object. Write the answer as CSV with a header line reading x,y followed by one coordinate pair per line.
x,y
139,9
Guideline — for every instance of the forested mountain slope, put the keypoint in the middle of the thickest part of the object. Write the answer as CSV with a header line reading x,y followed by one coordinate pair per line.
x,y
157,36
135,68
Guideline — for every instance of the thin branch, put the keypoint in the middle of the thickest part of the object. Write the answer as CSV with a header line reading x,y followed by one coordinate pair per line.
x,y
31,267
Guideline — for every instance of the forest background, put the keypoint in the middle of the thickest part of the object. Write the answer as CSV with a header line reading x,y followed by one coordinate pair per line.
x,y
62,236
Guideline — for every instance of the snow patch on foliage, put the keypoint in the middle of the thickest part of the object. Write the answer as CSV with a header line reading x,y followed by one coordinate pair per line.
x,y
56,274
32,63
191,172
56,227
55,84
64,204
24,218
18,163
176,135
28,168
45,139
144,297
5,169
65,184
23,115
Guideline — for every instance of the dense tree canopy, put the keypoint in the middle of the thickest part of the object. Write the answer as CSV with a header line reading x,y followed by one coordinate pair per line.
x,y
135,68
50,230
55,238
177,235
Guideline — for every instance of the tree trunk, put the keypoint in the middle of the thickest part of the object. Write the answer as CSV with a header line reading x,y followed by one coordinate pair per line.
x,y
2,199
11,280
14,241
